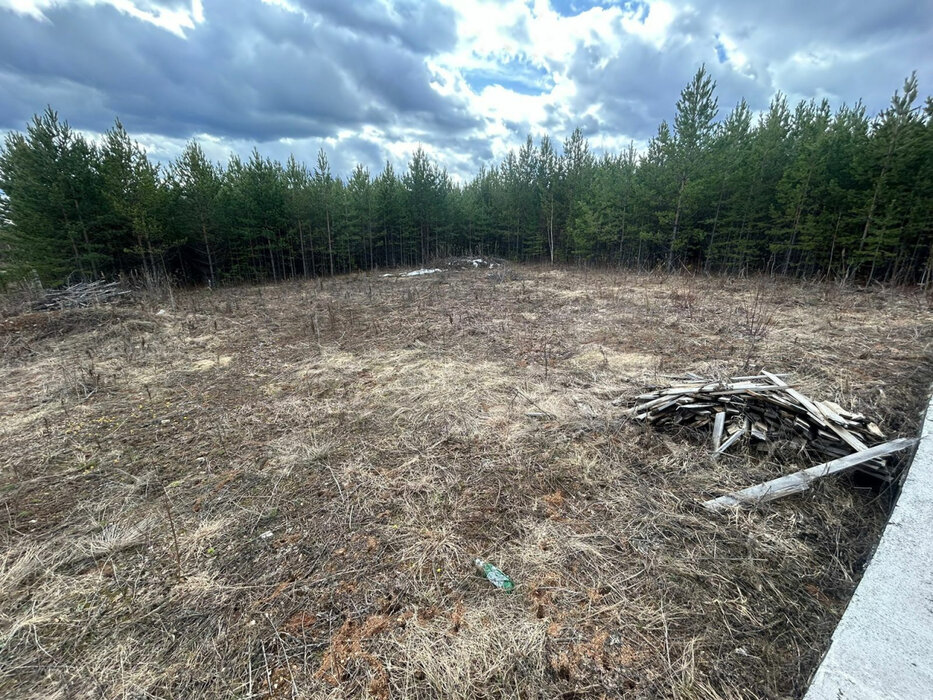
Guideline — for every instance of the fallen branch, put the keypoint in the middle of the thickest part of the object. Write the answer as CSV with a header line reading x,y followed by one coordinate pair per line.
x,y
800,481
81,294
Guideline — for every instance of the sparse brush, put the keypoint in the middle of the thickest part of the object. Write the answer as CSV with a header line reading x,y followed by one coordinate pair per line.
x,y
337,454
755,319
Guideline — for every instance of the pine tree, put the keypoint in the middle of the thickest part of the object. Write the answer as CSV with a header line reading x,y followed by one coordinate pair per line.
x,y
298,207
196,183
360,199
729,162
895,137
548,180
53,196
422,185
694,126
810,193
324,195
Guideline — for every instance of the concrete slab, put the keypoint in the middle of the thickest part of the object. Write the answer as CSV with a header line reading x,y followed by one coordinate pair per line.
x,y
883,646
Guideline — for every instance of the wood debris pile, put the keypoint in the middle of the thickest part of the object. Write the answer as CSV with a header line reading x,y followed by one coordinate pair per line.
x,y
81,294
762,409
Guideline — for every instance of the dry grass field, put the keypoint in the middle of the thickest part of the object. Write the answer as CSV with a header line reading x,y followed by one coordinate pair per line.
x,y
278,491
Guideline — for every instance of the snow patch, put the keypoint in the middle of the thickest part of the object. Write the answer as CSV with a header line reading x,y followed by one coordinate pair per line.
x,y
423,271
468,263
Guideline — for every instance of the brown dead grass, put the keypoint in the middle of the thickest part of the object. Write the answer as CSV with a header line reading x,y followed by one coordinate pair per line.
x,y
335,454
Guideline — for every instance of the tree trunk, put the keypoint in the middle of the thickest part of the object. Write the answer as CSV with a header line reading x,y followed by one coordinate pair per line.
x,y
712,238
210,258
680,199
301,241
871,212
797,213
874,198
832,247
271,258
622,233
311,250
87,241
74,244
928,271
330,242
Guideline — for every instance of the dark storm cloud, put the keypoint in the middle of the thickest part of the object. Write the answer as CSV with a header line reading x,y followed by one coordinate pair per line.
x,y
465,155
841,50
806,49
258,74
404,82
636,86
251,71
780,26
422,27
342,160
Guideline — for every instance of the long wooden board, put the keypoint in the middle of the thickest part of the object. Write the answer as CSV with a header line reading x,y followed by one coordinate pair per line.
x,y
800,481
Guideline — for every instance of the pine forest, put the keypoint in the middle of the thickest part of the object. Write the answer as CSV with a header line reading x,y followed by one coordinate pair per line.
x,y
798,190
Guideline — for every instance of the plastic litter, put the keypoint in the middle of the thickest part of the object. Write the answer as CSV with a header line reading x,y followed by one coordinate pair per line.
x,y
495,575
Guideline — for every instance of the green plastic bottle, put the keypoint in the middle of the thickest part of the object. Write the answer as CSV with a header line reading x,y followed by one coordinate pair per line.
x,y
496,577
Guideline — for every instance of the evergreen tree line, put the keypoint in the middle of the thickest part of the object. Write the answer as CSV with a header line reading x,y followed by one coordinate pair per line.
x,y
796,191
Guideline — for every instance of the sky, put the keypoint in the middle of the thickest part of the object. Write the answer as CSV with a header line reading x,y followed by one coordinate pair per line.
x,y
468,80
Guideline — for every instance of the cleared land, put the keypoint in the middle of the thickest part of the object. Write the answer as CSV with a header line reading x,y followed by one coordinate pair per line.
x,y
279,491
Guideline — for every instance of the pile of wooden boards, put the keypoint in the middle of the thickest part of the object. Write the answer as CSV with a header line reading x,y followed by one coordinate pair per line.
x,y
81,294
763,409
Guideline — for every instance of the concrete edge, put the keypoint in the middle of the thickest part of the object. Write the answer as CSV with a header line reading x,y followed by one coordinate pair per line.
x,y
882,647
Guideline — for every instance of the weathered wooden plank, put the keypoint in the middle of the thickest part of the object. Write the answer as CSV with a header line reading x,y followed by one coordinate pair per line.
x,y
772,407
695,389
848,437
800,481
731,441
843,412
640,408
754,377
715,388
782,403
829,413
719,424
803,400
658,412
732,389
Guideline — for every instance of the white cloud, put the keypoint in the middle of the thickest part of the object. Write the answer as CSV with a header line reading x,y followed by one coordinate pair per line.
x,y
32,8
374,84
655,28
173,19
493,37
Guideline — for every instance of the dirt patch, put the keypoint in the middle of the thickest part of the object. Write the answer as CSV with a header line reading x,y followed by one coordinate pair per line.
x,y
210,363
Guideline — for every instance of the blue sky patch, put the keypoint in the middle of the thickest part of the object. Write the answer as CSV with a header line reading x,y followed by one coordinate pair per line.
x,y
638,9
721,51
570,8
516,75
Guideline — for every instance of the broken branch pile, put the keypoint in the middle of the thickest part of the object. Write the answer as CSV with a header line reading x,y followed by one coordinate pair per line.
x,y
763,409
81,294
